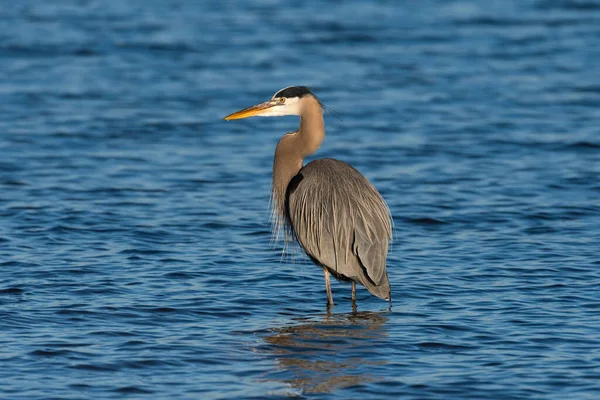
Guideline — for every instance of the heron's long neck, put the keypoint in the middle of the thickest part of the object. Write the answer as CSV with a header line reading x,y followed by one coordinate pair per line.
x,y
293,147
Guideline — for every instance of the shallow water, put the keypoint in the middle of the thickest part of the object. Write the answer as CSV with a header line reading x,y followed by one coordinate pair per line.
x,y
135,251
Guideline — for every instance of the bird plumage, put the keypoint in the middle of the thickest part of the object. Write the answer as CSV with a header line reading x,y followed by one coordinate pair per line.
x,y
342,222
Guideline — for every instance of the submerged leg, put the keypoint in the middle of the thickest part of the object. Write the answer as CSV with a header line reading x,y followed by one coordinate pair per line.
x,y
328,288
353,296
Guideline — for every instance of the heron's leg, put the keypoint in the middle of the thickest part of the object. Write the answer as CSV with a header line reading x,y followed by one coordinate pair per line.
x,y
353,296
328,288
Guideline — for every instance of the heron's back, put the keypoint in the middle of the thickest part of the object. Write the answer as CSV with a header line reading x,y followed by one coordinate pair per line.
x,y
342,222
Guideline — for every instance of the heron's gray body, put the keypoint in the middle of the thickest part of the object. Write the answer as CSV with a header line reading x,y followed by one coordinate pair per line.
x,y
342,223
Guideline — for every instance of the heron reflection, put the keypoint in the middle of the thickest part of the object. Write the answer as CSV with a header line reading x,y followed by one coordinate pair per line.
x,y
328,354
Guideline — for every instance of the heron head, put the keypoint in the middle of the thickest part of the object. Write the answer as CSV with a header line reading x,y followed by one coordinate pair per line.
x,y
287,101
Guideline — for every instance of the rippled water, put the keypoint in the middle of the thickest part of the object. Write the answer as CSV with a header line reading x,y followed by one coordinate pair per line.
x,y
135,253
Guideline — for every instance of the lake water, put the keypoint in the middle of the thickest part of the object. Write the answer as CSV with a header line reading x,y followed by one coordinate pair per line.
x,y
136,258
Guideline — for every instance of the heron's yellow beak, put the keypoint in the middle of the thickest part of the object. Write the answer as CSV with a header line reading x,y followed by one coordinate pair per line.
x,y
253,111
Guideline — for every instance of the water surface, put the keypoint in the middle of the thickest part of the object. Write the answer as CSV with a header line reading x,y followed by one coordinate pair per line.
x,y
135,250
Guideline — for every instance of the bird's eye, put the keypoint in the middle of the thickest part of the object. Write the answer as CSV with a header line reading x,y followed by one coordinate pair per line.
x,y
282,100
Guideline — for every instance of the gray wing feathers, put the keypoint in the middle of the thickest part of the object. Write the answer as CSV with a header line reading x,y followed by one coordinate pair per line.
x,y
342,221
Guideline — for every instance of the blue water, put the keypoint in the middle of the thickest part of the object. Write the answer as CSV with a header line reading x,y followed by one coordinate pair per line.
x,y
136,258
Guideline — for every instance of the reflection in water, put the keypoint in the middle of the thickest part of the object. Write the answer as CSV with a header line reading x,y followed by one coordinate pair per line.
x,y
324,354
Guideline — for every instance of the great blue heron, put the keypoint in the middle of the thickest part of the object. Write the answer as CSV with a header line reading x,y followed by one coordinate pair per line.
x,y
338,217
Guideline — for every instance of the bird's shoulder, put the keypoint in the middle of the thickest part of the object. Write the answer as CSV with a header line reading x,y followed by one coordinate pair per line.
x,y
328,177
329,167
